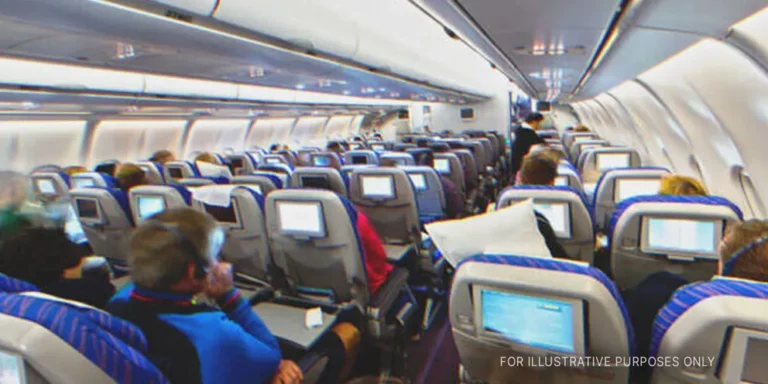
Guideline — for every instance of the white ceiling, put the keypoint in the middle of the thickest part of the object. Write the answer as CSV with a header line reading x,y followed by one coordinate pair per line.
x,y
548,26
650,32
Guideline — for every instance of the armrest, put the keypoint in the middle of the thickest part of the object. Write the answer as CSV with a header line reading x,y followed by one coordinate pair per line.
x,y
312,366
261,295
383,299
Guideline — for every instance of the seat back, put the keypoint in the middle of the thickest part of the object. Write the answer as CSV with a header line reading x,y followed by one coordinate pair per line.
x,y
678,234
105,216
177,170
604,159
487,151
382,146
274,159
325,159
449,165
402,147
430,197
289,156
241,163
497,300
347,171
571,137
495,152
361,157
313,238
568,176
579,147
46,340
399,158
478,152
469,166
195,182
567,212
154,172
92,179
718,331
148,200
50,185
620,184
262,184
240,211
386,197
319,178
280,180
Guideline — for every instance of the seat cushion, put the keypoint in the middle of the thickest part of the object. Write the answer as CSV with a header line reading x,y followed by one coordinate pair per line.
x,y
688,296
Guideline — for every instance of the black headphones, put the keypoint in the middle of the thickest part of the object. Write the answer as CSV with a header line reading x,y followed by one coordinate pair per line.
x,y
186,245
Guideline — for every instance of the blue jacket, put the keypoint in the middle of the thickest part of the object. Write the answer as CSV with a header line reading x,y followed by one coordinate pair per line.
x,y
198,344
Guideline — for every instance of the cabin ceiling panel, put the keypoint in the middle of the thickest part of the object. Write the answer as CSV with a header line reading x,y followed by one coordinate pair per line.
x,y
562,34
102,34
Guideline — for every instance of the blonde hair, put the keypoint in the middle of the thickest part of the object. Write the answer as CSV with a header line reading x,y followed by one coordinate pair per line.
x,y
130,175
74,170
207,158
681,186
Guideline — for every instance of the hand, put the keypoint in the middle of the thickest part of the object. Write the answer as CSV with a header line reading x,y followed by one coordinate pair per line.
x,y
288,373
221,281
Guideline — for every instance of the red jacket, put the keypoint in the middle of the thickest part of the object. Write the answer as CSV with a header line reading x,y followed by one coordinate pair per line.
x,y
376,265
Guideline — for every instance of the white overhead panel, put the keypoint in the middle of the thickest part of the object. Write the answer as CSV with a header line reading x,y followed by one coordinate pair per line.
x,y
655,30
64,76
550,41
169,38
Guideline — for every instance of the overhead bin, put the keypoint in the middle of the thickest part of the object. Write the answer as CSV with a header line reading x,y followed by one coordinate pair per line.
x,y
308,23
70,77
200,7
265,94
179,86
386,35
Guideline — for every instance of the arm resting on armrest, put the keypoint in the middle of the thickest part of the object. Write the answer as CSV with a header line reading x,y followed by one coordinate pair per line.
x,y
388,293
262,295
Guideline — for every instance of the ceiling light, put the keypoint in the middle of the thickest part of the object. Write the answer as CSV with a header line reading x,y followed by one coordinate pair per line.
x,y
124,51
255,72
346,92
300,86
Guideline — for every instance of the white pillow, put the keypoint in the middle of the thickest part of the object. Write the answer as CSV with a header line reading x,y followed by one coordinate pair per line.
x,y
213,170
512,230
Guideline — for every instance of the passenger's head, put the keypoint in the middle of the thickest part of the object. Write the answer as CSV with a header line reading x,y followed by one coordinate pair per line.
x,y
107,167
207,157
547,152
581,128
739,235
274,148
38,255
130,175
387,163
13,189
74,170
335,147
175,250
678,185
427,159
534,119
750,261
538,170
163,156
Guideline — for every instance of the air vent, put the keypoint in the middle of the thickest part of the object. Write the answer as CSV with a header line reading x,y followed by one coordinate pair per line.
x,y
550,51
178,16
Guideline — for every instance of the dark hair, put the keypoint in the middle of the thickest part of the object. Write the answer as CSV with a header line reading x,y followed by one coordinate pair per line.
x,y
534,117
38,255
107,167
160,155
538,170
750,262
427,158
130,176
334,146
274,147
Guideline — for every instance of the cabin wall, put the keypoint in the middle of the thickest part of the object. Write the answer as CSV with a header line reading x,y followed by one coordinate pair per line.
x,y
701,113
27,142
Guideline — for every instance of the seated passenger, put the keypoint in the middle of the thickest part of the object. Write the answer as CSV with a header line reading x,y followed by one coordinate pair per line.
x,y
581,128
546,152
377,266
681,186
13,195
335,147
74,170
107,167
47,259
206,157
743,248
274,148
162,156
454,203
174,258
540,170
129,176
